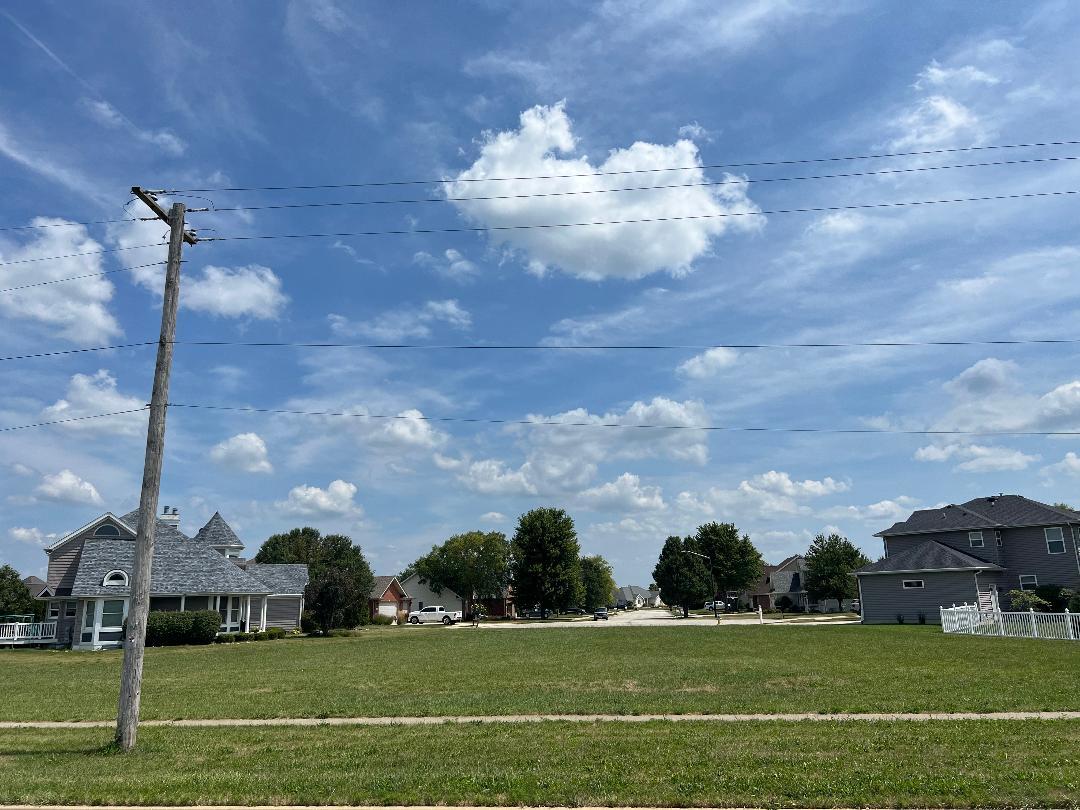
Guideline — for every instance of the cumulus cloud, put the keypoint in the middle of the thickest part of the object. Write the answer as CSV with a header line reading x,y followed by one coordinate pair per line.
x,y
544,144
453,265
890,509
1069,465
493,517
66,487
937,122
90,394
493,477
708,363
764,495
244,451
337,500
935,74
625,493
75,310
976,457
31,536
987,376
404,322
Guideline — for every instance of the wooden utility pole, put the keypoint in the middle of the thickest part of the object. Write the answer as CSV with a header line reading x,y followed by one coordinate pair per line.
x,y
127,717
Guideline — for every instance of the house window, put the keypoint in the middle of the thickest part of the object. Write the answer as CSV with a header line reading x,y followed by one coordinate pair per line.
x,y
69,609
54,610
1055,540
997,536
106,530
1028,582
115,579
975,539
912,583
421,605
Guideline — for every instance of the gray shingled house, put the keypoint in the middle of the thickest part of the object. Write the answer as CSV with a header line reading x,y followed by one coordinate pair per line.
x,y
87,586
974,553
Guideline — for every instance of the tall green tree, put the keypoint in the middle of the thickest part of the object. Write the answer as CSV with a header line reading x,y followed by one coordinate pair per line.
x,y
544,560
684,578
14,597
734,562
829,563
339,576
597,582
475,565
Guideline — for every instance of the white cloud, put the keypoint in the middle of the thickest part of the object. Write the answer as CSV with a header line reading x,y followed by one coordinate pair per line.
x,y
975,457
493,517
765,495
107,115
66,487
31,536
893,509
253,291
936,74
405,322
708,363
695,132
453,265
596,252
1069,465
90,394
336,500
76,310
987,376
625,493
937,122
244,451
493,477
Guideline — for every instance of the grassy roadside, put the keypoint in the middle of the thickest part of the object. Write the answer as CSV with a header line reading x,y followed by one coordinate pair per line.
x,y
898,764
560,670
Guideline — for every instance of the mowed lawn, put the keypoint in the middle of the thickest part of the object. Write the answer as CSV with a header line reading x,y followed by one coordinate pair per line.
x,y
439,671
774,764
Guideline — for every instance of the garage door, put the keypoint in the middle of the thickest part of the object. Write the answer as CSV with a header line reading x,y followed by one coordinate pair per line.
x,y
388,609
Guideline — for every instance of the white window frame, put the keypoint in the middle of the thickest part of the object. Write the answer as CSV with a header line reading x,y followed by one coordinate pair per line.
x,y
1059,539
1032,585
909,584
54,610
973,536
107,580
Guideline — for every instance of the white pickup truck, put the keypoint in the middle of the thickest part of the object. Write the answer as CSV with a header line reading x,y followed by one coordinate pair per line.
x,y
434,613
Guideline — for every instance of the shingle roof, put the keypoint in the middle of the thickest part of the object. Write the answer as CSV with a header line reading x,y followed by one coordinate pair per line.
x,y
380,586
994,512
928,556
180,566
280,577
217,532
162,528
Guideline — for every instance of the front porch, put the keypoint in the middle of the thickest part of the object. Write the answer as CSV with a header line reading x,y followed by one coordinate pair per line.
x,y
25,633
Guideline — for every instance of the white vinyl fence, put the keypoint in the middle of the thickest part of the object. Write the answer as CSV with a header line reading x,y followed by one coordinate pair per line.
x,y
970,620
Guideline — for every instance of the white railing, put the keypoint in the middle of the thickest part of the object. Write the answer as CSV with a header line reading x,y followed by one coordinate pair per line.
x,y
27,632
969,620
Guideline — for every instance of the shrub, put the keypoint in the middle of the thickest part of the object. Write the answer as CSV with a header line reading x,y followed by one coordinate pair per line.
x,y
1028,600
342,632
784,604
275,633
169,628
378,618
899,618
225,638
260,635
922,617
243,636
1056,596
1074,602
307,622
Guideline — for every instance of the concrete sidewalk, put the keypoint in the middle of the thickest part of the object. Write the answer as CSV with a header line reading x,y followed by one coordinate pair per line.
x,y
793,717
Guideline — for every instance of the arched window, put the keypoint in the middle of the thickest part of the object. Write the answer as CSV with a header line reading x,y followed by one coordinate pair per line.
x,y
106,530
115,579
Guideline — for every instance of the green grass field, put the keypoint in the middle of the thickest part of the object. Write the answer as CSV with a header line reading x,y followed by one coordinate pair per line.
x,y
435,671
773,764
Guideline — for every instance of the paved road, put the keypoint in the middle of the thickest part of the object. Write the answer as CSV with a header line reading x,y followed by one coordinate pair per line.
x,y
658,617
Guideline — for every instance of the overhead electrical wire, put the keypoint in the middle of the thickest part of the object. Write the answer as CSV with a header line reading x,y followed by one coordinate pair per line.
x,y
744,165
73,419
560,347
77,278
640,220
83,253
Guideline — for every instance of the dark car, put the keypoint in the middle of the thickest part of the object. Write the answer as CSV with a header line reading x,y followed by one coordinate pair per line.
x,y
576,611
600,613
535,613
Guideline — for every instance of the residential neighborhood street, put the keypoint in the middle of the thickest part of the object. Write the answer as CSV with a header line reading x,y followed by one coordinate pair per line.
x,y
661,617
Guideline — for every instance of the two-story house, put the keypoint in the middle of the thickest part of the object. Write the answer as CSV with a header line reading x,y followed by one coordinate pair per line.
x,y
87,588
974,553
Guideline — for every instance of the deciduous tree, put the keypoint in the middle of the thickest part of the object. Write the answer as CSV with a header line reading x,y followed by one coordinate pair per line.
x,y
683,577
829,563
474,565
544,560
734,562
597,582
14,597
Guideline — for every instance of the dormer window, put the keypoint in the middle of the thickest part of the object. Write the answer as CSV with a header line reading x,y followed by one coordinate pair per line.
x,y
115,579
106,530
975,539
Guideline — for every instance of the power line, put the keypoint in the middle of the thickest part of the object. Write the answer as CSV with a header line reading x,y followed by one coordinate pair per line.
x,y
84,253
67,224
632,426
73,419
799,161
259,344
492,228
76,278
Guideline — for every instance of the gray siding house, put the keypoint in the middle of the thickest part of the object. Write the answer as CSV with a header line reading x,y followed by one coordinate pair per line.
x,y
88,583
972,553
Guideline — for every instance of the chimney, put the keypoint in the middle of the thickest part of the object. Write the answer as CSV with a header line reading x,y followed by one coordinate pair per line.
x,y
170,515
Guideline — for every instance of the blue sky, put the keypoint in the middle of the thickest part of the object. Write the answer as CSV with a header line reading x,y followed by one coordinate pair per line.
x,y
97,100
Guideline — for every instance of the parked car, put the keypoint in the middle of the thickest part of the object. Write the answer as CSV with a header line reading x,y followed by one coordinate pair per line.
x,y
577,611
534,613
600,613
434,613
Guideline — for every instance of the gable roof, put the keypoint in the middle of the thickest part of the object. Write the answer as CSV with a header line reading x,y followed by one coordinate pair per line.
x,y
180,566
453,595
994,512
162,528
382,585
928,556
93,523
280,578
217,532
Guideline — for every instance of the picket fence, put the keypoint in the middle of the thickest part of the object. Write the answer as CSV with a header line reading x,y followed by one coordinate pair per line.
x,y
970,620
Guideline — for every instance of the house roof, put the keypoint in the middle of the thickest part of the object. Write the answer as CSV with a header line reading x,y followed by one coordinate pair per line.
x,y
447,593
180,566
994,512
99,519
382,585
928,556
630,592
162,528
280,578
217,532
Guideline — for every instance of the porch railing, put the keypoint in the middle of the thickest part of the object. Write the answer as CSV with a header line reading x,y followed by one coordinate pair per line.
x,y
27,632
970,620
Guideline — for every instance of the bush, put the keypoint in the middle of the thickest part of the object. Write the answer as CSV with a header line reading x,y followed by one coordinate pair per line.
x,y
1028,600
899,618
307,622
379,619
243,636
261,635
169,628
1074,602
274,633
1056,596
225,638
342,632
922,617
